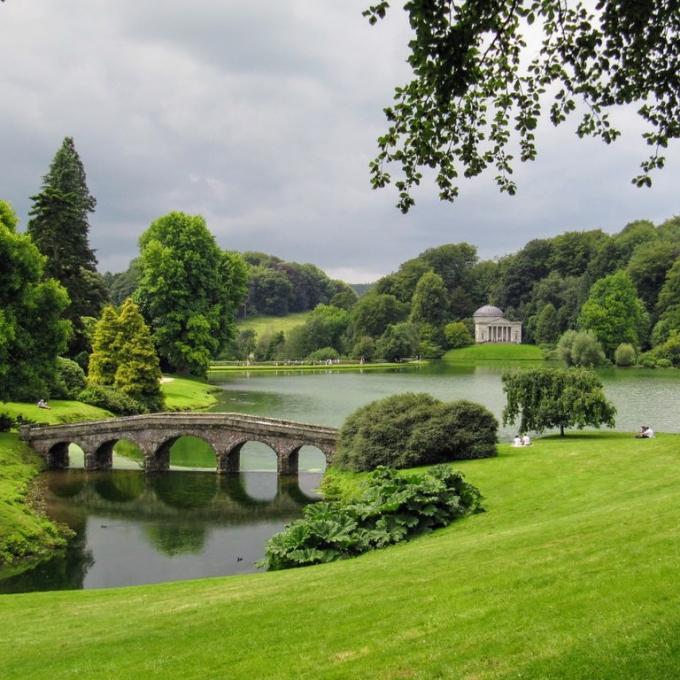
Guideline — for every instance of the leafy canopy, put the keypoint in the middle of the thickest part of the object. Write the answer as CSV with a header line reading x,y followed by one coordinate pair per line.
x,y
189,290
614,313
543,398
33,331
479,88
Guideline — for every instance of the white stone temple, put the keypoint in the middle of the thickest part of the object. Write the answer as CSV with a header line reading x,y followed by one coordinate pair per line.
x,y
490,326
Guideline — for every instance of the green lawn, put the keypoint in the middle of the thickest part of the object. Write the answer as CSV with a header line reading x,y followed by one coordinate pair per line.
x,y
491,352
187,394
59,411
263,325
571,573
23,532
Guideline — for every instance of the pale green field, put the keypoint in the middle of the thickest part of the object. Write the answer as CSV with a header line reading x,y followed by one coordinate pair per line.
x,y
264,325
492,352
571,573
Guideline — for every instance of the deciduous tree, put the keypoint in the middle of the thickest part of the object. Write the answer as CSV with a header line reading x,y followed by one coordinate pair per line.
x,y
33,331
479,89
189,291
614,312
543,398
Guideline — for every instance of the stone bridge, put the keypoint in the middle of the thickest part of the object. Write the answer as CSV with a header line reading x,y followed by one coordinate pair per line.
x,y
154,434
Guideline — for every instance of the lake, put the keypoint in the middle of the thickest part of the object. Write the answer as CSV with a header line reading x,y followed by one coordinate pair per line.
x,y
132,529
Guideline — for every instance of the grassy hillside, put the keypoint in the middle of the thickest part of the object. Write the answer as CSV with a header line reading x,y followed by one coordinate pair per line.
x,y
491,352
23,532
571,573
263,325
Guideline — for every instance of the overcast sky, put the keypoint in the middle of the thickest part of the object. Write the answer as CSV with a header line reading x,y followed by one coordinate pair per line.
x,y
262,116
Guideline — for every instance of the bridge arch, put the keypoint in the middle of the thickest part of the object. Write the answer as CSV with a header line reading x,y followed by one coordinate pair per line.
x,y
157,457
57,455
229,457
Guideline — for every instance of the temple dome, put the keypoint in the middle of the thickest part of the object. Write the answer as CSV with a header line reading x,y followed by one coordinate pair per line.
x,y
488,311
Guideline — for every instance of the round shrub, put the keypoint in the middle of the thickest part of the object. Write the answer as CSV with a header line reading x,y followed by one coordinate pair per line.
x,y
624,355
112,400
69,379
647,360
664,363
323,354
407,430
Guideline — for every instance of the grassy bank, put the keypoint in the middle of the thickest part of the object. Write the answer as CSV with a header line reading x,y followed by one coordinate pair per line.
x,y
216,369
59,412
265,325
571,573
491,352
24,532
186,394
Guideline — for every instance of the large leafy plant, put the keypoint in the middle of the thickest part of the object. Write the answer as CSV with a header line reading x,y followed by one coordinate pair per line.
x,y
392,508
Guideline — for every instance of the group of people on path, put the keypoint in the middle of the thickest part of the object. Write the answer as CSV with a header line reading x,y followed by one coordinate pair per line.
x,y
521,440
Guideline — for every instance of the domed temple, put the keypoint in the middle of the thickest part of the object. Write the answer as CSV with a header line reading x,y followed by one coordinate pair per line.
x,y
490,326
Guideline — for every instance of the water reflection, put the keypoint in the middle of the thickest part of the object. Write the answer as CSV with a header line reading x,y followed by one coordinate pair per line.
x,y
133,528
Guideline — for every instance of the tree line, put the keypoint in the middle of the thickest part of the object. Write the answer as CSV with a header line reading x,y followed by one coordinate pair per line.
x,y
597,296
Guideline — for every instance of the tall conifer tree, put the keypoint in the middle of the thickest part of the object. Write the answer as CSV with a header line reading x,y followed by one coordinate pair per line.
x,y
59,226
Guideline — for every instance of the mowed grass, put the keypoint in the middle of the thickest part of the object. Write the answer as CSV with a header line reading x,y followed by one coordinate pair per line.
x,y
571,573
187,394
492,352
59,411
264,325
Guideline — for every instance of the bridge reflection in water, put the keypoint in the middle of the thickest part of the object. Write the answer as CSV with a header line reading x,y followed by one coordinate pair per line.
x,y
133,528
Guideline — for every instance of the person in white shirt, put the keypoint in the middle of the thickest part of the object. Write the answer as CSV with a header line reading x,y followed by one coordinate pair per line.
x,y
526,440
517,441
649,433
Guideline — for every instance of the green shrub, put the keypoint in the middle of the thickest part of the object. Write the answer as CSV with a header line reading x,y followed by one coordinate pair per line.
x,y
406,430
112,400
428,350
647,360
457,335
323,354
586,350
670,349
664,363
392,508
69,379
624,355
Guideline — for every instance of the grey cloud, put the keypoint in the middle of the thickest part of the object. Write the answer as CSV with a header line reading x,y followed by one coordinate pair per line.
x,y
263,117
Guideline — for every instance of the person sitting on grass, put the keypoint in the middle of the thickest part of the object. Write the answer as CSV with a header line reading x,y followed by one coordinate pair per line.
x,y
645,432
42,404
526,440
517,441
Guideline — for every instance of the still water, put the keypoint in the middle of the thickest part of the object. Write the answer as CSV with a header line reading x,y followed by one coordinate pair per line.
x,y
649,396
133,529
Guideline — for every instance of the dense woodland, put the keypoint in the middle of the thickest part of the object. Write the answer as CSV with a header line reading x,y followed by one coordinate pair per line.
x,y
601,290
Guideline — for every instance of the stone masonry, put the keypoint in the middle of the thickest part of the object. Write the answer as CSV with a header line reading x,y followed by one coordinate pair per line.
x,y
154,434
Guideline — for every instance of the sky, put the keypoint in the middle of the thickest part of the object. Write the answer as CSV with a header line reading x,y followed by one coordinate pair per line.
x,y
262,116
